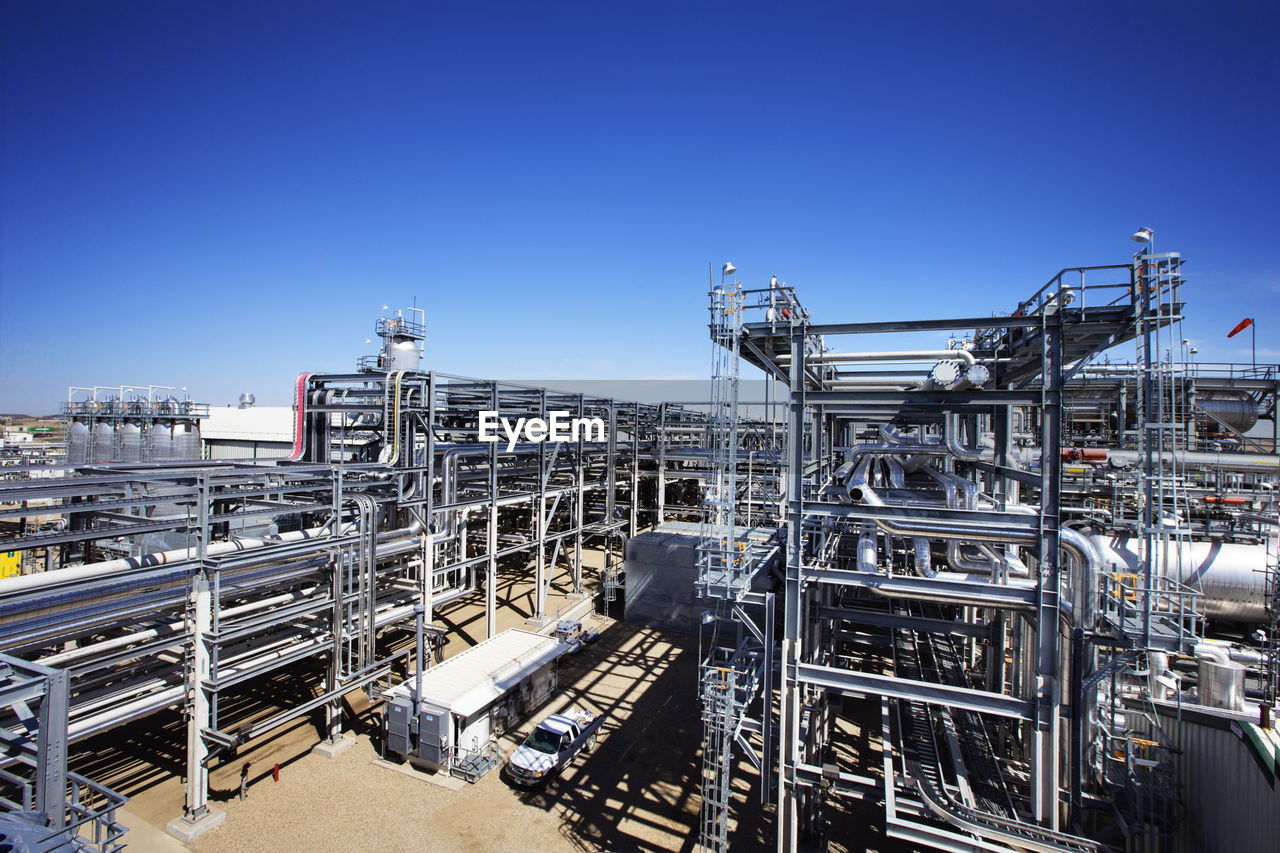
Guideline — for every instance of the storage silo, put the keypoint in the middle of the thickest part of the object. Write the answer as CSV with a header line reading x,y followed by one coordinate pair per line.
x,y
78,443
186,440
130,442
104,443
159,442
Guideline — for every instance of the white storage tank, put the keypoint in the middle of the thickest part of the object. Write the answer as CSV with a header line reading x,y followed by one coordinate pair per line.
x,y
186,440
104,443
130,442
400,354
78,443
160,441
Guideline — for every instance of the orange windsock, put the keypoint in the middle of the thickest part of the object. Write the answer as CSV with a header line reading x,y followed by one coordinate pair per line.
x,y
1244,324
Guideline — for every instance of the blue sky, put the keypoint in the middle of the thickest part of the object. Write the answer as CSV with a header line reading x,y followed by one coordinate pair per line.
x,y
223,194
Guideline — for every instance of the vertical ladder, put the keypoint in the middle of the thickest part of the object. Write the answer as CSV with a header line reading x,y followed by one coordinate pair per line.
x,y
720,714
721,562
1271,665
1141,758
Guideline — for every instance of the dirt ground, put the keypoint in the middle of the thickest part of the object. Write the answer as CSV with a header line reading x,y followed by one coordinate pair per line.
x,y
638,790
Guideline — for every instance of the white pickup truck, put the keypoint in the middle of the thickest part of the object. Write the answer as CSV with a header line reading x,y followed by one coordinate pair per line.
x,y
553,744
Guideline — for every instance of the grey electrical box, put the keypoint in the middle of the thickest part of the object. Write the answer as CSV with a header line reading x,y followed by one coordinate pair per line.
x,y
433,735
399,717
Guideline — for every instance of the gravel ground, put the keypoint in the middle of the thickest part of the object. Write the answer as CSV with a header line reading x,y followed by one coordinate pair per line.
x,y
638,790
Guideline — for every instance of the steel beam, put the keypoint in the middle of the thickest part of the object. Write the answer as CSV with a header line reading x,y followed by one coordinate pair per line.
x,y
871,684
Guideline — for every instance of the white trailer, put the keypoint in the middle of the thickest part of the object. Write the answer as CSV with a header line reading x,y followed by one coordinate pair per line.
x,y
471,698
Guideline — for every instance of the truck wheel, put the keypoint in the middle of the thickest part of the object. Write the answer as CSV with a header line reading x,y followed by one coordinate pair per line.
x,y
591,743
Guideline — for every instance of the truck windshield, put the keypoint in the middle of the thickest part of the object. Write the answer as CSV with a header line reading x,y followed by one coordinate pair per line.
x,y
543,740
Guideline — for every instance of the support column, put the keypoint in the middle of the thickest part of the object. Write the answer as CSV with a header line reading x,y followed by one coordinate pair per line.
x,y
792,650
51,744
540,521
578,509
1045,752
198,816
635,470
662,463
491,565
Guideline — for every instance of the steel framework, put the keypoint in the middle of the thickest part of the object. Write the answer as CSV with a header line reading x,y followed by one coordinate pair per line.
x,y
951,531
389,501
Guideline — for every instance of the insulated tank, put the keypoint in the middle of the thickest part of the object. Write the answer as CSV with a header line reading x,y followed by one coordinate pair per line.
x,y
1236,410
400,355
130,442
78,443
1221,685
186,440
1231,577
104,443
159,442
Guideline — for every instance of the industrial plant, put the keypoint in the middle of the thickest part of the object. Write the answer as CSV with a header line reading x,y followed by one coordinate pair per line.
x,y
1016,590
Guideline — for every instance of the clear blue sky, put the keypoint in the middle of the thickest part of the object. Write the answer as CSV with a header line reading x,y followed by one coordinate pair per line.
x,y
223,194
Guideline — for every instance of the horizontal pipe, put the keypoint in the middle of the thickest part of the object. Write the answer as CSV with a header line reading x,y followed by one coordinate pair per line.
x,y
901,355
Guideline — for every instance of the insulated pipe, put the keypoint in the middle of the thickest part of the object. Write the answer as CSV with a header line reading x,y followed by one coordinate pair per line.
x,y
88,571
924,560
1071,541
888,433
989,563
952,441
959,562
172,627
1253,463
915,461
72,574
1212,652
903,355
867,552
300,417
908,450
418,612
946,596
1231,577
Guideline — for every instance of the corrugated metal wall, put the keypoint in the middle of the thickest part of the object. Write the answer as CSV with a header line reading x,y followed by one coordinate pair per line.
x,y
1230,804
228,449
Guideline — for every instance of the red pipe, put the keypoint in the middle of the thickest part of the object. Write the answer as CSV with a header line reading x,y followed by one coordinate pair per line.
x,y
300,407
1085,454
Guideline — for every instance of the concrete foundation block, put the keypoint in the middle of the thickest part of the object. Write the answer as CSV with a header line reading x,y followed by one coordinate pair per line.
x,y
186,829
334,748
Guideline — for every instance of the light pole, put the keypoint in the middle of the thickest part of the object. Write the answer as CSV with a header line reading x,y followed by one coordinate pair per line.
x,y
1144,235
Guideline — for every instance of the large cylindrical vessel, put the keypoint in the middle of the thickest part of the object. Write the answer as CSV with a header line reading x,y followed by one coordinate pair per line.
x,y
130,442
1236,410
1221,685
78,443
399,354
104,443
186,440
160,441
1231,577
